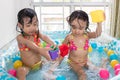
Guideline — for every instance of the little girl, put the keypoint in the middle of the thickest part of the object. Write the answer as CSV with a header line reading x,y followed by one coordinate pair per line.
x,y
78,41
29,42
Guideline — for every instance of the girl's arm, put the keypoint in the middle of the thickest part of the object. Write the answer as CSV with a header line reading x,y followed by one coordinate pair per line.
x,y
46,39
34,47
66,40
98,31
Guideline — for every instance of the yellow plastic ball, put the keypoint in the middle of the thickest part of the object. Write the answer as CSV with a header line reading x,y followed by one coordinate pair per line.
x,y
17,64
106,50
90,49
110,52
113,63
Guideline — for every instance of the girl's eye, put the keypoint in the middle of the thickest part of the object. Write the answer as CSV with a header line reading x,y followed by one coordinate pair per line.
x,y
28,25
35,24
74,28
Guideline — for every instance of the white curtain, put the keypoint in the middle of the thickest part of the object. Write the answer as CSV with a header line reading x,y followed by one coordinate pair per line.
x,y
115,19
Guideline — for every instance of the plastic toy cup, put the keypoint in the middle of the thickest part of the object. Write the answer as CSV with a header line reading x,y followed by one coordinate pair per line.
x,y
53,54
94,45
97,16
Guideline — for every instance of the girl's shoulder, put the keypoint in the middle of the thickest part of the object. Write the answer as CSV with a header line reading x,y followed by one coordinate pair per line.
x,y
69,36
19,37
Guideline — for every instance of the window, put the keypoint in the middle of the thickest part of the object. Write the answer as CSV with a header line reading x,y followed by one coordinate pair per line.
x,y
52,14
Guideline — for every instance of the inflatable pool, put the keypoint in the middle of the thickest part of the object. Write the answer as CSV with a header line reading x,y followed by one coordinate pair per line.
x,y
102,47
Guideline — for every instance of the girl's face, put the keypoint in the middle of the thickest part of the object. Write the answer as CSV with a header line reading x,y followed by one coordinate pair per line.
x,y
78,26
30,28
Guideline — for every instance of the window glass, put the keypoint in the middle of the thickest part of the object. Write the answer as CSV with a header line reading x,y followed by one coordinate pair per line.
x,y
52,10
53,17
55,27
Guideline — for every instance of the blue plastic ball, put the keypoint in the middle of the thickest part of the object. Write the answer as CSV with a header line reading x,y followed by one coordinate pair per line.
x,y
94,45
100,49
16,58
113,57
60,77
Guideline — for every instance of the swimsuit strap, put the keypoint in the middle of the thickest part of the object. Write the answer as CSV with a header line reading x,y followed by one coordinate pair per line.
x,y
74,47
25,48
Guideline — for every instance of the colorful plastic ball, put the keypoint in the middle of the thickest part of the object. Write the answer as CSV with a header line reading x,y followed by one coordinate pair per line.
x,y
100,49
17,64
110,52
113,56
60,77
104,73
16,58
117,71
43,44
90,49
94,45
113,63
47,45
12,72
106,50
117,66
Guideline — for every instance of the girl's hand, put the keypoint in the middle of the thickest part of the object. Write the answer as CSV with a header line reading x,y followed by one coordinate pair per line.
x,y
54,47
45,52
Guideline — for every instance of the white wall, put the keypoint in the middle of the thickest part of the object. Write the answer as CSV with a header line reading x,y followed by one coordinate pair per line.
x,y
8,18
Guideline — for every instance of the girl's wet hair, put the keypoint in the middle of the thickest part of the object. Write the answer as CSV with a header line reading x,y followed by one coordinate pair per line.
x,y
78,14
24,13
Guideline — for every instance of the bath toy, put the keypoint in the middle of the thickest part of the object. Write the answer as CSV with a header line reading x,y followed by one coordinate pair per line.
x,y
90,49
97,16
63,50
54,54
110,52
113,63
94,45
100,49
17,64
117,66
16,58
117,71
61,77
57,42
106,50
47,45
113,56
104,73
43,44
12,72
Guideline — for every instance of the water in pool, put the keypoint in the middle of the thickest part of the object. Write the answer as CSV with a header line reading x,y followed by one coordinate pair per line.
x,y
64,72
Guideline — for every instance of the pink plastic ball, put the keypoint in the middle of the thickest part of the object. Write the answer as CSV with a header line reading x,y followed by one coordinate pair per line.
x,y
104,74
48,45
117,66
12,72
117,71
